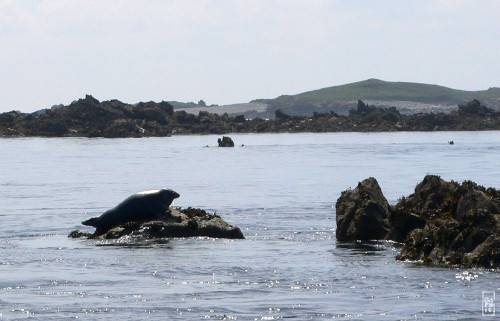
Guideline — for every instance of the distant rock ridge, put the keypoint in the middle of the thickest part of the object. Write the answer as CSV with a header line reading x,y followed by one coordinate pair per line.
x,y
442,223
89,117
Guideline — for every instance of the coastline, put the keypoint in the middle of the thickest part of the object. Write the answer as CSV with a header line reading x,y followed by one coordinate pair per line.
x,y
113,119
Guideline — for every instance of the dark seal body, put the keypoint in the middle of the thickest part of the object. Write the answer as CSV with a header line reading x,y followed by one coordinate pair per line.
x,y
143,206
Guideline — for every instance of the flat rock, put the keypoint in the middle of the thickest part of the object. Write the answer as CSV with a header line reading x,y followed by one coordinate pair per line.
x,y
188,222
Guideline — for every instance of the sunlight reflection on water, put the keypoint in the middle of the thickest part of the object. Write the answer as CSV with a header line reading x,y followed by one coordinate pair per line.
x,y
280,189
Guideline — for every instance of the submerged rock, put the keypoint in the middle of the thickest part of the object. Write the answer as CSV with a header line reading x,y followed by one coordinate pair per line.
x,y
188,222
443,223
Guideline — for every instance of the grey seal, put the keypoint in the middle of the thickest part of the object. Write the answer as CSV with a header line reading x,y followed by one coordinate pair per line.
x,y
142,206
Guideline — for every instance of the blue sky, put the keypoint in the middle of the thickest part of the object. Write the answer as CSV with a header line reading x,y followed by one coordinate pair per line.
x,y
233,51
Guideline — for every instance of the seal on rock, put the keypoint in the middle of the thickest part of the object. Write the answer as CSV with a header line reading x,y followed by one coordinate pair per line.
x,y
142,206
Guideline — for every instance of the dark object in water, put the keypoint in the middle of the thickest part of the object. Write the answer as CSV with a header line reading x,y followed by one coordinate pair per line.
x,y
225,142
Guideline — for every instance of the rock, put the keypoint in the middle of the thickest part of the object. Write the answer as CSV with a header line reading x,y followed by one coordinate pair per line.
x,y
122,128
443,223
363,213
188,222
151,111
402,223
462,224
225,142
471,201
428,196
278,114
363,108
89,117
239,119
473,107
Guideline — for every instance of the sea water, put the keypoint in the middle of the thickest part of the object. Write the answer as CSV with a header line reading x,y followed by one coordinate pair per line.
x,y
280,189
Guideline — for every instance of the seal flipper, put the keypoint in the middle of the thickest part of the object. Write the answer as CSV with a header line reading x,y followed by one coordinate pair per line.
x,y
94,221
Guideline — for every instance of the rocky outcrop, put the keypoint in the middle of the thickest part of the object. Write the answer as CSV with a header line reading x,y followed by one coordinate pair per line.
x,y
462,224
443,223
363,213
188,222
225,142
90,118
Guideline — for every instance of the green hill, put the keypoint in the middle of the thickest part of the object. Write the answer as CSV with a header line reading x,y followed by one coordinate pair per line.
x,y
407,97
374,89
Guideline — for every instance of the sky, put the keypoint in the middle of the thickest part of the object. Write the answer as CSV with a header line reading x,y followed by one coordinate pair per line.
x,y
232,51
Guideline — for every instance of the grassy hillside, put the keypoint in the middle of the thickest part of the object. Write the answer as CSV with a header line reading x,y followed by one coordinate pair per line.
x,y
374,89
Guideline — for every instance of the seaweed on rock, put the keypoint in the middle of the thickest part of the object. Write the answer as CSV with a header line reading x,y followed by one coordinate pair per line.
x,y
444,223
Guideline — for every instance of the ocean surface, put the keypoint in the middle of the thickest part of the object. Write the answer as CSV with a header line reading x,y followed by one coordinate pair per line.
x,y
280,189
